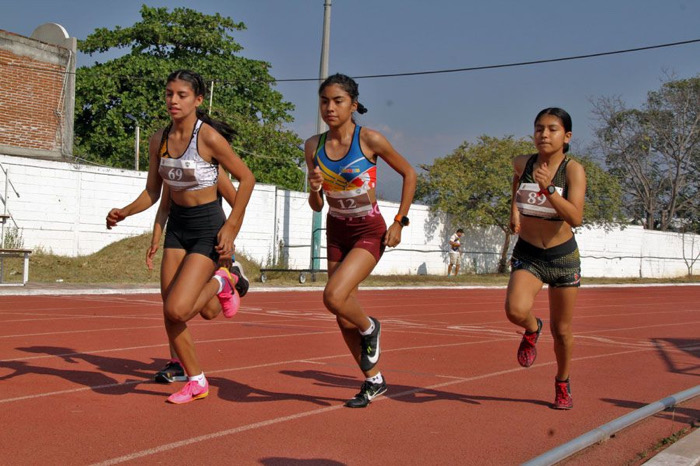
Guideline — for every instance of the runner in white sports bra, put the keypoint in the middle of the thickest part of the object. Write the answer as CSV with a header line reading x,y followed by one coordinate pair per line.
x,y
186,156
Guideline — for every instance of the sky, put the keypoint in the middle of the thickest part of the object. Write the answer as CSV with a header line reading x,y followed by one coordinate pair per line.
x,y
429,116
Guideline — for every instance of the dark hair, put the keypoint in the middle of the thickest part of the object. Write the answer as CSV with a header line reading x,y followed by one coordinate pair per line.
x,y
563,116
459,230
348,84
199,87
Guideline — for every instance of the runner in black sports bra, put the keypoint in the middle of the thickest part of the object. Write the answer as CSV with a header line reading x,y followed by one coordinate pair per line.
x,y
546,204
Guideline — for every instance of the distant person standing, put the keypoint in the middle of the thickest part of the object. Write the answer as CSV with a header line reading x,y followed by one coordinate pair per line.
x,y
548,196
455,245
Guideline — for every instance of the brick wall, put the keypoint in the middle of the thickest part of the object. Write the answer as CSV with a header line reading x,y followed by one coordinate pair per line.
x,y
33,92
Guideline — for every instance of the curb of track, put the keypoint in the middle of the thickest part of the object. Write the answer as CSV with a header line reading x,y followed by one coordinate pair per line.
x,y
606,431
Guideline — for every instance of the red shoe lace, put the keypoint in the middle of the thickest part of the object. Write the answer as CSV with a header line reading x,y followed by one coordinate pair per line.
x,y
562,393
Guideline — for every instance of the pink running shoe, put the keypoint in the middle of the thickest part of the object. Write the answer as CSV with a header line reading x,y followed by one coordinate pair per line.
x,y
190,392
562,395
527,352
228,297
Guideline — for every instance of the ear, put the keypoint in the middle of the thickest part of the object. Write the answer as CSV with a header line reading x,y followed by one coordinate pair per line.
x,y
567,137
198,100
353,107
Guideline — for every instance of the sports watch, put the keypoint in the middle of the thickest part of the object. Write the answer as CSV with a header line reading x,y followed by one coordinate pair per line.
x,y
402,219
551,189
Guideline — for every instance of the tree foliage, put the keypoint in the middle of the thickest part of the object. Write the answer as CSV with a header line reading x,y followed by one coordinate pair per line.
x,y
655,152
474,185
134,84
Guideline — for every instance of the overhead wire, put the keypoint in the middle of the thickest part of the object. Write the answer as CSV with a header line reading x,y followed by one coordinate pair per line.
x,y
509,65
427,72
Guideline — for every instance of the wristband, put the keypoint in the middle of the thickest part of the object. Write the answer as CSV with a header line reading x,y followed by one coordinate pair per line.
x,y
320,187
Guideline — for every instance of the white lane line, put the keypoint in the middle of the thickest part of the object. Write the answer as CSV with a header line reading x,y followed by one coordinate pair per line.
x,y
257,425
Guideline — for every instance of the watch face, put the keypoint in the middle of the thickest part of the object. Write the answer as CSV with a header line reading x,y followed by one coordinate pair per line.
x,y
404,221
551,189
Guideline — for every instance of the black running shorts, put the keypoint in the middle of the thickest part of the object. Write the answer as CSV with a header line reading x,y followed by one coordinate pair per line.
x,y
558,266
194,229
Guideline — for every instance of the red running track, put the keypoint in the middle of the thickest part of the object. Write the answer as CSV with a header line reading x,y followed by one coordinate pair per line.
x,y
75,380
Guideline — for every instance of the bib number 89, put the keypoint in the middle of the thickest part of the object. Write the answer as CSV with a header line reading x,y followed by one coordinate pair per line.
x,y
535,198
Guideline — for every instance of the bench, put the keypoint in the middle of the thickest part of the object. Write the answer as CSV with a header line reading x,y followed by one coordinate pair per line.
x,y
16,253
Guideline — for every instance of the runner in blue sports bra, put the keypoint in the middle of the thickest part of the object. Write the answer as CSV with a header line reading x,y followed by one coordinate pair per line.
x,y
186,156
342,168
548,197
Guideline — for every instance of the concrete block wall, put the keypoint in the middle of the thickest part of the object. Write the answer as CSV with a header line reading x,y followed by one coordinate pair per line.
x,y
62,206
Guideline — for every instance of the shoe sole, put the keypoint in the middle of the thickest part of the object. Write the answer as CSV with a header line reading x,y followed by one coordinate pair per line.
x,y
562,408
201,396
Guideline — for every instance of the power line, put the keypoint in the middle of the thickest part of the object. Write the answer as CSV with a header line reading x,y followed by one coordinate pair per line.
x,y
509,65
412,73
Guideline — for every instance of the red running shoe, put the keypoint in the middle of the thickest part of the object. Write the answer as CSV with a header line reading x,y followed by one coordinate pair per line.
x,y
562,395
527,351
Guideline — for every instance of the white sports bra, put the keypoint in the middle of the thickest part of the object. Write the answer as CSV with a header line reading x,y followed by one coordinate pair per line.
x,y
190,171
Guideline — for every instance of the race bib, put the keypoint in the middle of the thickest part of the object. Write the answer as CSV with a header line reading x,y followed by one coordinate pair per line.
x,y
530,202
179,174
353,203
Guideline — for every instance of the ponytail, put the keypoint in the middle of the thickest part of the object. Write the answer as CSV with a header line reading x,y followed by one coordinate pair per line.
x,y
221,127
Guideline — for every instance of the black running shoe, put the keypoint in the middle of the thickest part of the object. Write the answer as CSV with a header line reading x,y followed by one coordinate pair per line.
x,y
368,392
370,347
172,372
243,283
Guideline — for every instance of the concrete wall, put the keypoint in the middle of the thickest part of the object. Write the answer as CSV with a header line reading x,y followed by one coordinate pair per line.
x,y
61,207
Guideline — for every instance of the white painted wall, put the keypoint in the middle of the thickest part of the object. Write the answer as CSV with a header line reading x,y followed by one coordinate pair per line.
x,y
62,207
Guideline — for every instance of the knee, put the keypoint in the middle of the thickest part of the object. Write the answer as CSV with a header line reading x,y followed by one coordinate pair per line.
x,y
333,300
175,313
516,311
561,333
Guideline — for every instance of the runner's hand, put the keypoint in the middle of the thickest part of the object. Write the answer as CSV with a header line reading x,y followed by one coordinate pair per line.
x,y
150,254
393,235
315,180
113,217
225,239
543,176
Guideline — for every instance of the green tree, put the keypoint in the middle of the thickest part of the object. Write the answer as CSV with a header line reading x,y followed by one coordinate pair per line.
x,y
134,84
474,184
655,153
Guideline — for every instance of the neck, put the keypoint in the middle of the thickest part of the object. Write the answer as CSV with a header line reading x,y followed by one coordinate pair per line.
x,y
184,124
342,131
556,156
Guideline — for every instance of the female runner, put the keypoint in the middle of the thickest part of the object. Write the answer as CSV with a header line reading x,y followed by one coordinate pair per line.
x,y
342,166
548,196
186,156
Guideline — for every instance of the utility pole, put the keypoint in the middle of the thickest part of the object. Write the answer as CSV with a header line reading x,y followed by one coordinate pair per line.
x,y
137,140
320,127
